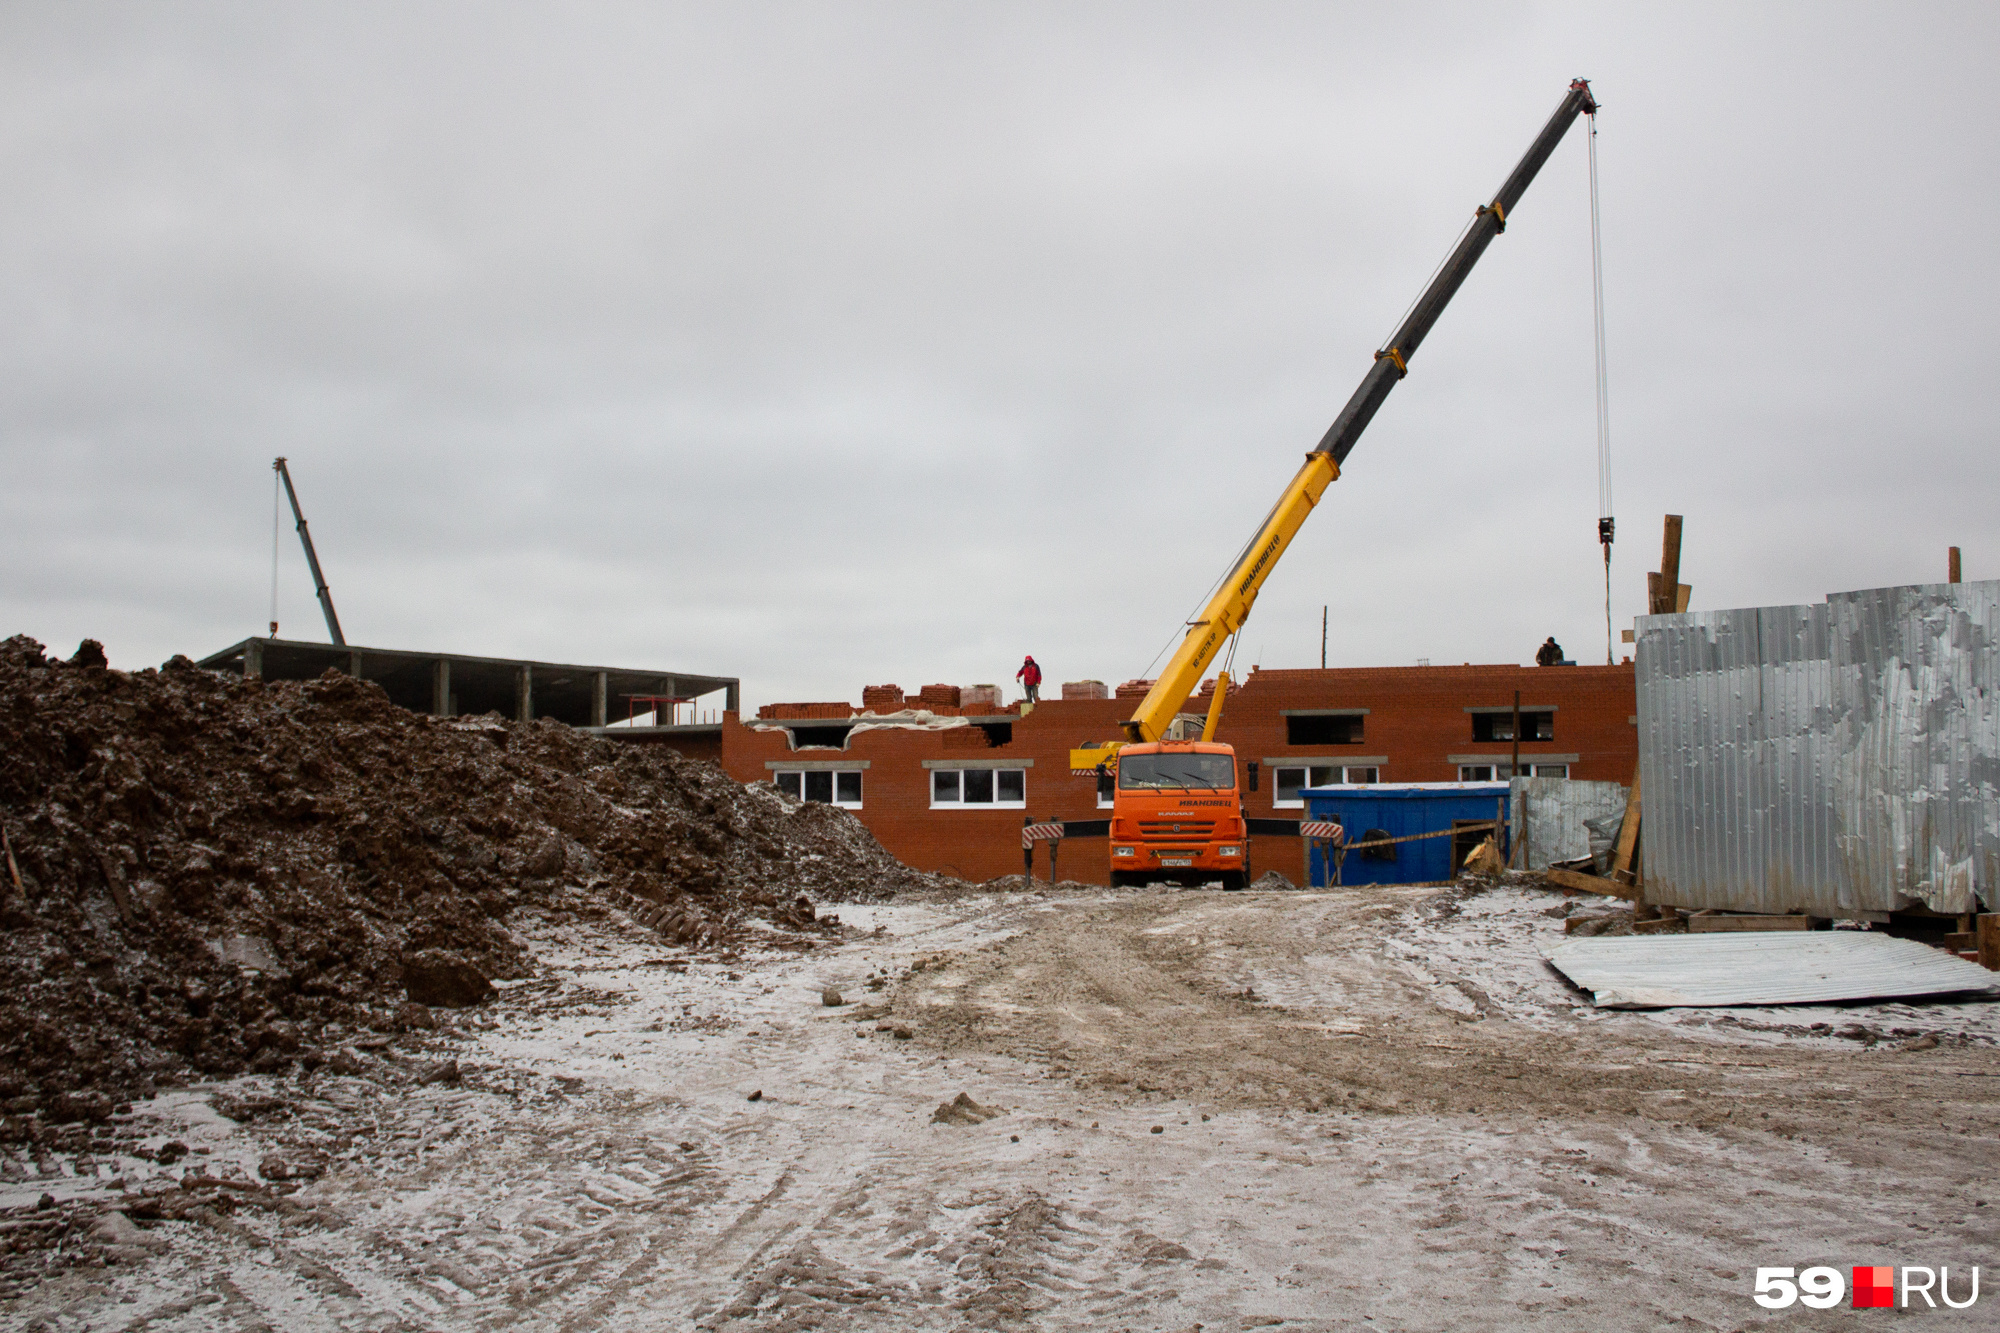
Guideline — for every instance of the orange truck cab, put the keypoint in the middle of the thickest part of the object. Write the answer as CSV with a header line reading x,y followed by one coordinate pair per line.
x,y
1177,816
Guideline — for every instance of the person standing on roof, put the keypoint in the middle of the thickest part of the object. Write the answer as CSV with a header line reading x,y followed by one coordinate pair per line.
x,y
1550,653
1030,677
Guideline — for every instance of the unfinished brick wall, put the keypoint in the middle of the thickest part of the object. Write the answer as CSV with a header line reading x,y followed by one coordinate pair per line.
x,y
1416,720
882,698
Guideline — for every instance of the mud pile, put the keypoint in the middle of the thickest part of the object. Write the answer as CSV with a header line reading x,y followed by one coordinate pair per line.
x,y
212,871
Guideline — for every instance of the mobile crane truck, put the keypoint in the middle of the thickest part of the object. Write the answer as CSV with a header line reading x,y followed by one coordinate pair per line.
x,y
1177,808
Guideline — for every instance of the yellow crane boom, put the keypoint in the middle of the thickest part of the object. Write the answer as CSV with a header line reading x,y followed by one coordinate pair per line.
x,y
1230,606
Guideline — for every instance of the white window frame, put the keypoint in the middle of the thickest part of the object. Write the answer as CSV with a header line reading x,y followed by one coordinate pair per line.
x,y
958,784
1499,772
834,776
1340,774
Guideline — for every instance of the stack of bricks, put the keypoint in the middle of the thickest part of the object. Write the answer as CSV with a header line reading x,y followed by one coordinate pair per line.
x,y
1134,689
938,697
980,699
882,698
790,712
1085,689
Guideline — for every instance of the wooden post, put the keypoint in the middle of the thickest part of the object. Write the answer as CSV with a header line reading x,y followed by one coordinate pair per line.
x,y
1055,849
1514,763
1953,577
524,693
600,699
1628,832
1027,850
1670,563
1989,941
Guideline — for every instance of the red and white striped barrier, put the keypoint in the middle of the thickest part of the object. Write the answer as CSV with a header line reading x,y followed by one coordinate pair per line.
x,y
1034,833
1315,829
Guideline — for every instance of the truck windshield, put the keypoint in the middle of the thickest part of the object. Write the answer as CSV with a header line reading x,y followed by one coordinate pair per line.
x,y
1169,772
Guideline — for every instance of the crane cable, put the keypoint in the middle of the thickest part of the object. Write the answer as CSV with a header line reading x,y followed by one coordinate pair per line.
x,y
1606,525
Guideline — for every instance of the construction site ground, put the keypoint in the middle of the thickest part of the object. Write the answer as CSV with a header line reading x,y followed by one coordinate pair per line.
x,y
1356,1108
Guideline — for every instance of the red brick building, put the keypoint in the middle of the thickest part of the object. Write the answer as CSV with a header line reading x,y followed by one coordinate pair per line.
x,y
945,778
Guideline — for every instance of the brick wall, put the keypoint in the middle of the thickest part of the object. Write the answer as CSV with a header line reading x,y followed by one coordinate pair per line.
x,y
1415,720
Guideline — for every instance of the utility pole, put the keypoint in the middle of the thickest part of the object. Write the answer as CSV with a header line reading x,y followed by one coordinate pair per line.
x,y
1514,769
1322,616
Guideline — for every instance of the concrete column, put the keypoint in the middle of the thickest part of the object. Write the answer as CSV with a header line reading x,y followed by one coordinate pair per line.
x,y
354,665
524,693
441,688
253,659
731,699
600,699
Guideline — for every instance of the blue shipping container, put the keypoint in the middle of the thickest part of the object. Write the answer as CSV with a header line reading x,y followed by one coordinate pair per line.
x,y
1397,812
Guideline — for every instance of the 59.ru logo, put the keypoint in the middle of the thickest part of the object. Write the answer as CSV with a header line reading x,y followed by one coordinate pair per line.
x,y
1822,1288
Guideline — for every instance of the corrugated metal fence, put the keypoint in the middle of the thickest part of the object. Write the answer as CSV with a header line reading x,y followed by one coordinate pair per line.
x,y
1547,814
1830,759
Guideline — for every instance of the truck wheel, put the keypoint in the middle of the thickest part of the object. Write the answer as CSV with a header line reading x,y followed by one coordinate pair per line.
x,y
1234,880
1121,879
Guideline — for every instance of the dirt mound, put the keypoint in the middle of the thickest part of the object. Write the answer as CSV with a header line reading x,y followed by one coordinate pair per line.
x,y
962,1110
211,870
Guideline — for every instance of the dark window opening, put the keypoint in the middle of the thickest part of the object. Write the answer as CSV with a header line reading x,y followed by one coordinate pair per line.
x,y
997,733
1500,726
831,737
1323,730
827,787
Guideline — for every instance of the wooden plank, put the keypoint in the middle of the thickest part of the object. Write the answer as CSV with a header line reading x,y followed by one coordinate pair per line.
x,y
1670,565
1682,596
1989,941
1570,879
1702,922
1628,832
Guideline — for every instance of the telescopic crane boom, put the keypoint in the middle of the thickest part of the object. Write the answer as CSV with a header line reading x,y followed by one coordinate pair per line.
x,y
1227,610
312,559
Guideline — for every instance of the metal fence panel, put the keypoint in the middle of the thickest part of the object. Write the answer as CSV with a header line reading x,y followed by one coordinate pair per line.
x,y
1831,759
1547,817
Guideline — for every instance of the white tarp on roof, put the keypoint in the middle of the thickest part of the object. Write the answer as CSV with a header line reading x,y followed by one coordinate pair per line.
x,y
1762,967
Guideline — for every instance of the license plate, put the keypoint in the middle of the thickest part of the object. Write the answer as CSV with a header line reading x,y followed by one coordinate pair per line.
x,y
1177,860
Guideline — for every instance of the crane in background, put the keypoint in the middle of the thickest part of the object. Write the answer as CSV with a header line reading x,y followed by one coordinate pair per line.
x,y
312,560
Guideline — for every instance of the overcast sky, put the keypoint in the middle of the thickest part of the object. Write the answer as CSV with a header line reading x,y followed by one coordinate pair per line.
x,y
835,344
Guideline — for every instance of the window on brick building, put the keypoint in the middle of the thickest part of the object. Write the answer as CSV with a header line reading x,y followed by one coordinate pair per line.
x,y
1290,781
1501,772
841,787
1323,728
1492,726
979,788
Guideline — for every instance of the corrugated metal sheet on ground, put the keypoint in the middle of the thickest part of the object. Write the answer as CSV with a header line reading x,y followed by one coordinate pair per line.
x,y
1547,816
1762,967
1830,759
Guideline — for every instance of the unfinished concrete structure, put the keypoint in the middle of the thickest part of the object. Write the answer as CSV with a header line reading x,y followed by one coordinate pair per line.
x,y
450,684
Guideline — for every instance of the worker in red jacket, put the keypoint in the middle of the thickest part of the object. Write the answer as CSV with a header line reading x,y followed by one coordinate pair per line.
x,y
1030,677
